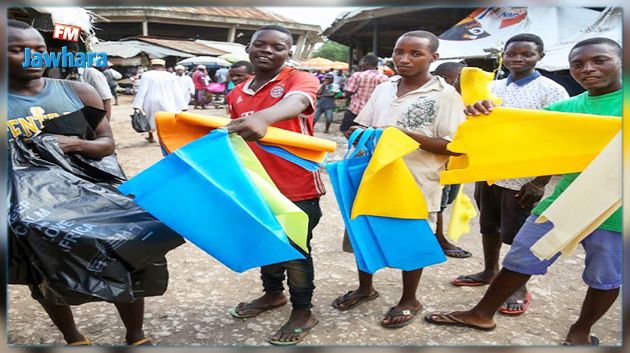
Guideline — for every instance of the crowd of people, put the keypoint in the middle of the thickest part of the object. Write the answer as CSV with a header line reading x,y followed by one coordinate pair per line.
x,y
427,107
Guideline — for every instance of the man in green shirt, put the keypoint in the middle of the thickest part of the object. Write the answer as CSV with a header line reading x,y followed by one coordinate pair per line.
x,y
596,65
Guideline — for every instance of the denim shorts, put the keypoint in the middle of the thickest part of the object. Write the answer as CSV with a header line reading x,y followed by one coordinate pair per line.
x,y
499,212
603,249
449,193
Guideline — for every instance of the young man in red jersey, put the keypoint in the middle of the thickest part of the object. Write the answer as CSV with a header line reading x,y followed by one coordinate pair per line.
x,y
282,97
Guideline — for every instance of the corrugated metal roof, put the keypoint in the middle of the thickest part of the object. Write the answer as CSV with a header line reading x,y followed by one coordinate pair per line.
x,y
233,48
184,45
238,12
131,48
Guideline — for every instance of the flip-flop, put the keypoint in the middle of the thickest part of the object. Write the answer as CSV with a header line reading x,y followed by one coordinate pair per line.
x,y
506,311
447,319
453,253
85,342
469,281
397,312
145,341
257,310
594,342
358,300
301,332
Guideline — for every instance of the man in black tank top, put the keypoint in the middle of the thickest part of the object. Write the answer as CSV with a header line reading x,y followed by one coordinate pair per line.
x,y
29,82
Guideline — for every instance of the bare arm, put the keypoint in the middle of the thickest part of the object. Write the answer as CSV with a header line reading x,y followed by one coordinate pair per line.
x,y
254,126
103,144
107,106
433,145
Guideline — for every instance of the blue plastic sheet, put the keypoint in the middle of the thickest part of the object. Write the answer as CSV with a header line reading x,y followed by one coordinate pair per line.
x,y
203,192
379,242
281,152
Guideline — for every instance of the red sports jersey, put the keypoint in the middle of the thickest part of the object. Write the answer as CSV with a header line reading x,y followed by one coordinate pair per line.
x,y
295,182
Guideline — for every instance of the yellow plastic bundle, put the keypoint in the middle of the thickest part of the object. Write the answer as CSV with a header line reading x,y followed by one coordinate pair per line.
x,y
476,86
463,212
176,130
388,171
516,143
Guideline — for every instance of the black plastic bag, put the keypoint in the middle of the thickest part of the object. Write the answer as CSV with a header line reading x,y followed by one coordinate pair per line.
x,y
83,240
81,123
140,122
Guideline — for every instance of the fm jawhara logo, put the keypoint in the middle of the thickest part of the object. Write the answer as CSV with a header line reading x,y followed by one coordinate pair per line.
x,y
64,58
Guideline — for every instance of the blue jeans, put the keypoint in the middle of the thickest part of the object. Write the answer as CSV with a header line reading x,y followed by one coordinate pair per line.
x,y
300,273
328,112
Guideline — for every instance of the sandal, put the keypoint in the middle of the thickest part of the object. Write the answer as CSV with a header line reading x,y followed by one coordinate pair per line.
x,y
301,333
505,310
142,342
469,281
594,342
457,253
447,319
85,342
397,312
355,301
255,310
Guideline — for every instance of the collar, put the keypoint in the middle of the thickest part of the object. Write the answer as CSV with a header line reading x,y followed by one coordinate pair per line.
x,y
524,80
436,83
280,76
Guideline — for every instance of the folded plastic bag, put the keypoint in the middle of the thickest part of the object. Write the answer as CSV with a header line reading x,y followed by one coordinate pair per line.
x,y
388,171
572,220
176,130
79,238
379,242
516,143
219,206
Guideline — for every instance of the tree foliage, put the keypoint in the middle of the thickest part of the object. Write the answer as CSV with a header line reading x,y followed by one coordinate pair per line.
x,y
332,51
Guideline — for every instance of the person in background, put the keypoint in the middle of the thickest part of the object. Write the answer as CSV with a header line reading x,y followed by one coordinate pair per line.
x,y
239,72
186,84
112,76
158,91
359,87
200,79
221,75
94,78
505,205
449,71
325,102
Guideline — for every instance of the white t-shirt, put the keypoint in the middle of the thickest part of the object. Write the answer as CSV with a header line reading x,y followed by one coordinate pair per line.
x,y
532,92
96,79
433,110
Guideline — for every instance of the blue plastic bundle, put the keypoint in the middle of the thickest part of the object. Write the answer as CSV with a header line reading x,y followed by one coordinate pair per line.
x,y
379,242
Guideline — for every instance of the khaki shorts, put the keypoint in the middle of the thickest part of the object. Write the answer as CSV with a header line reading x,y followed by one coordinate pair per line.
x,y
347,247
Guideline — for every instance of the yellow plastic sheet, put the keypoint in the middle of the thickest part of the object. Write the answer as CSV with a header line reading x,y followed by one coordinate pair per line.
x,y
307,147
293,220
387,170
592,197
463,212
476,86
516,143
173,135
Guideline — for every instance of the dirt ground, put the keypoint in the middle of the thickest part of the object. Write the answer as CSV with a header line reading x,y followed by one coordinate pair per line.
x,y
194,310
